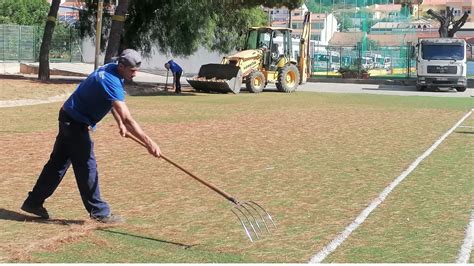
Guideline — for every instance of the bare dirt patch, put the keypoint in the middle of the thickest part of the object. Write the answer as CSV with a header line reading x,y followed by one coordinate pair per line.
x,y
24,90
16,89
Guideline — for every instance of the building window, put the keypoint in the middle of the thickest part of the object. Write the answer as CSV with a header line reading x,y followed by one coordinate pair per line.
x,y
296,26
315,37
317,25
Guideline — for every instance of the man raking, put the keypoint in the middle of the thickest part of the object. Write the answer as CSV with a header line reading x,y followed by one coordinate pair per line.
x,y
102,92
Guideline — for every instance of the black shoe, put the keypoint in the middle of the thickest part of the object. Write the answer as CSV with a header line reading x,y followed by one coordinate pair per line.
x,y
111,219
39,211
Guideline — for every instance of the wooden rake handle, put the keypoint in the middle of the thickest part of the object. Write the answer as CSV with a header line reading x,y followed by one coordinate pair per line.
x,y
202,181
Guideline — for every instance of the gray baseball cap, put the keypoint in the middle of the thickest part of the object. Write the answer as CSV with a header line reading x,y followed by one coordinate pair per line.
x,y
129,57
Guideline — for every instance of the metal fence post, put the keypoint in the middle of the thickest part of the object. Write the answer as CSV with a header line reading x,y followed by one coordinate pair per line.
x,y
70,44
19,43
408,56
3,47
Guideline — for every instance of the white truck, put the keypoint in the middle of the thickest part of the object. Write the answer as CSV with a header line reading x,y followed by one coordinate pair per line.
x,y
441,63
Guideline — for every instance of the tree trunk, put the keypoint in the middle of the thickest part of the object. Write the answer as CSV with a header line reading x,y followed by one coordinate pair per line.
x,y
443,22
116,30
43,72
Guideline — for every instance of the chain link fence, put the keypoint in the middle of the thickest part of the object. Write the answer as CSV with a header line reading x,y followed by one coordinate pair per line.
x,y
354,61
22,43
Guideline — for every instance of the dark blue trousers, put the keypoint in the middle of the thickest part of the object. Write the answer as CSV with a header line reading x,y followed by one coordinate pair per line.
x,y
73,146
177,84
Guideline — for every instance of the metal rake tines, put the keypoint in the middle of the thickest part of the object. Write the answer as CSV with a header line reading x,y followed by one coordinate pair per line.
x,y
254,219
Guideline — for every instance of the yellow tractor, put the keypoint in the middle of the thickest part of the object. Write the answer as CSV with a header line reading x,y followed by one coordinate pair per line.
x,y
267,58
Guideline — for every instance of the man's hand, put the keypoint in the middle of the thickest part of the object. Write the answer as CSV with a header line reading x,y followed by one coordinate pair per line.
x,y
123,130
153,149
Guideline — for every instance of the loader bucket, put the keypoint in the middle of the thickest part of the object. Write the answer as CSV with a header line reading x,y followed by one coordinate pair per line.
x,y
222,78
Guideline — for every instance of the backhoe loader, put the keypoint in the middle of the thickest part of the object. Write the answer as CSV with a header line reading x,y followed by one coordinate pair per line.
x,y
267,58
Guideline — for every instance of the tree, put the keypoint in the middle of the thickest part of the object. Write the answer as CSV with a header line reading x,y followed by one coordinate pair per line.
x,y
116,30
345,21
407,6
43,72
179,27
316,6
23,12
292,5
448,25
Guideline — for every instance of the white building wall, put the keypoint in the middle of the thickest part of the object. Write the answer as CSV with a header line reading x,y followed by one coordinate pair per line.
x,y
190,64
330,27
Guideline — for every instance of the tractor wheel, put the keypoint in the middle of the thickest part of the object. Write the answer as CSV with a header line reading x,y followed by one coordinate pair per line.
x,y
288,78
255,82
420,87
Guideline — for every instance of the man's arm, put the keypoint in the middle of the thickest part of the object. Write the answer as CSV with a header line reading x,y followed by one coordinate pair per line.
x,y
122,116
122,127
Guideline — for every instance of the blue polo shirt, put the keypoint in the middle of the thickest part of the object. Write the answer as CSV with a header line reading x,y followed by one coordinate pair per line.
x,y
93,98
175,68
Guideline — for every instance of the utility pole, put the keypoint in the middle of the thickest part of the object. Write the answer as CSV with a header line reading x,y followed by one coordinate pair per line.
x,y
98,32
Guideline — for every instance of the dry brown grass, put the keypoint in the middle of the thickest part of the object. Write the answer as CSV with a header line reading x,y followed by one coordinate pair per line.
x,y
15,89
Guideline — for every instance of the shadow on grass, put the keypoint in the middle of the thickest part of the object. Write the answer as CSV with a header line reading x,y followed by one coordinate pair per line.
x,y
465,132
185,246
401,87
19,217
156,89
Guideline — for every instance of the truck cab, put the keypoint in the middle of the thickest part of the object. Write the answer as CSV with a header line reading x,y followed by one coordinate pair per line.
x,y
441,62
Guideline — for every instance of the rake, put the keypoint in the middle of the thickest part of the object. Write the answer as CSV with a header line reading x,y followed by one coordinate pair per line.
x,y
255,220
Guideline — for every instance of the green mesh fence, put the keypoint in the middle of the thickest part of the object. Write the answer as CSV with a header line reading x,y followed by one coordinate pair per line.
x,y
22,43
17,42
381,61
367,54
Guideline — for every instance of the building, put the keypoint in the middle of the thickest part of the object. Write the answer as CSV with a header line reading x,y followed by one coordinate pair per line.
x,y
323,26
459,7
68,11
415,26
390,11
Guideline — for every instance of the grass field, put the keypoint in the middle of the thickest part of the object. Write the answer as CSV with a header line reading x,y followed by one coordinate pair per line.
x,y
314,160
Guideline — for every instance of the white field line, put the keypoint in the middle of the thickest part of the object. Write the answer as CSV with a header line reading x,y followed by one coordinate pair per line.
x,y
339,239
465,251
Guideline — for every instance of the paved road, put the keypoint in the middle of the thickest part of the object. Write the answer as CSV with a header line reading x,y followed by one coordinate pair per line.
x,y
380,89
160,77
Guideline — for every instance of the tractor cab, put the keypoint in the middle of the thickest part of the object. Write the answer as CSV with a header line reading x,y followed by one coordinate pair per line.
x,y
274,42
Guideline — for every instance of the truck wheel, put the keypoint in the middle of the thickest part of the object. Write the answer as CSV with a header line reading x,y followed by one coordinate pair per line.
x,y
255,82
420,88
461,89
288,78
